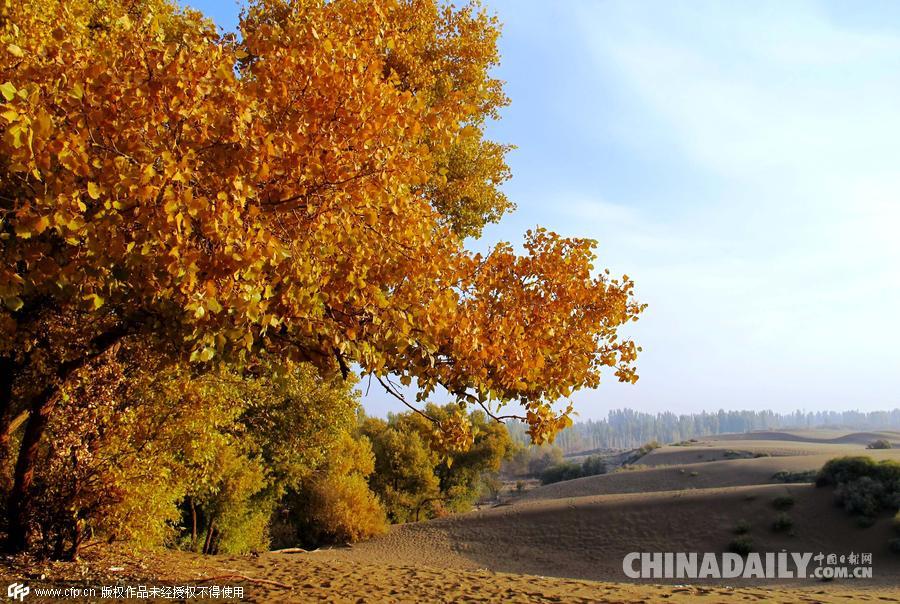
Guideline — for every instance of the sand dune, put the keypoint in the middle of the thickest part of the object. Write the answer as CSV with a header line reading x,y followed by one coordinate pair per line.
x,y
587,537
814,436
770,444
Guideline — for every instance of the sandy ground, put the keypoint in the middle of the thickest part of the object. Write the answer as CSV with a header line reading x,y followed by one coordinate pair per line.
x,y
700,475
587,537
558,543
313,578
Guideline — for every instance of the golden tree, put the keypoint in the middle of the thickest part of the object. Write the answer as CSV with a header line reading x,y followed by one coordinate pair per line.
x,y
303,188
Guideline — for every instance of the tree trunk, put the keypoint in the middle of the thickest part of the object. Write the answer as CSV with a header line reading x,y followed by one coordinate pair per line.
x,y
207,547
193,525
18,504
7,372
78,535
40,408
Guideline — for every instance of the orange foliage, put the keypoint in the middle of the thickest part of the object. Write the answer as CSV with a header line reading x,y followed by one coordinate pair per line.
x,y
304,187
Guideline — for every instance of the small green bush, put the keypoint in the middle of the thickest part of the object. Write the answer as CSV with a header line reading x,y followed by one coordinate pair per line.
x,y
568,470
879,444
646,448
794,477
863,496
783,502
783,523
742,527
742,545
862,485
564,471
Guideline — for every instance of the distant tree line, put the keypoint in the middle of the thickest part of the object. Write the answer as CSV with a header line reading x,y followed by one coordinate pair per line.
x,y
626,428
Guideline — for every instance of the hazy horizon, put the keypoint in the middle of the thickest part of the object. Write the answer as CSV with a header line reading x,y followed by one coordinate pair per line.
x,y
739,162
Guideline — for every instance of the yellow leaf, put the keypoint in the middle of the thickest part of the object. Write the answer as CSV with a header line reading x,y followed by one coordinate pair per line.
x,y
13,303
15,50
94,300
468,132
8,91
93,190
41,225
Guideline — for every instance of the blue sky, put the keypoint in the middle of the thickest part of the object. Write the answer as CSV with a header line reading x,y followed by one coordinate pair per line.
x,y
741,161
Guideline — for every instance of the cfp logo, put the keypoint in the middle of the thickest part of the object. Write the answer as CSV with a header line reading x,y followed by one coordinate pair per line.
x,y
17,591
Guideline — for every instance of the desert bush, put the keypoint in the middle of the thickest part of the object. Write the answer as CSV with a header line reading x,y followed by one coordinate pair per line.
x,y
794,477
741,545
591,466
847,469
561,472
864,496
879,444
646,448
783,522
783,502
742,527
895,523
862,485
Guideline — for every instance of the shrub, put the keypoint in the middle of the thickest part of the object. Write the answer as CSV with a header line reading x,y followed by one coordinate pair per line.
x,y
896,523
863,496
865,521
846,469
647,447
564,471
741,545
783,502
783,522
335,504
742,527
695,474
879,444
591,466
793,477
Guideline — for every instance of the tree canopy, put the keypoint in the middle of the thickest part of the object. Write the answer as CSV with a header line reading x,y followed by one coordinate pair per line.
x,y
302,189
